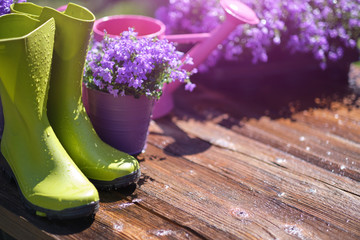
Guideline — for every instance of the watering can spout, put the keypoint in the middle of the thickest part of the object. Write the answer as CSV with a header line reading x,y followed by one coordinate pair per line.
x,y
239,11
236,13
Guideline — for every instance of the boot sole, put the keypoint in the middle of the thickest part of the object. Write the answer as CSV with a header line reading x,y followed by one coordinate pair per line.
x,y
85,211
120,182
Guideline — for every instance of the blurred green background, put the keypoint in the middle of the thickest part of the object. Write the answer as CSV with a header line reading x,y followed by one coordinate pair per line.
x,y
103,8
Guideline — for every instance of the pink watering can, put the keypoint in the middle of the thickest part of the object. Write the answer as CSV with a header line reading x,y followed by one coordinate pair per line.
x,y
236,13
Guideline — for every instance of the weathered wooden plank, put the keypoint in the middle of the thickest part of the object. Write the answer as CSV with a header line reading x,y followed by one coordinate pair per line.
x,y
342,122
247,191
9,220
165,208
129,220
219,201
319,148
210,134
287,135
281,157
229,140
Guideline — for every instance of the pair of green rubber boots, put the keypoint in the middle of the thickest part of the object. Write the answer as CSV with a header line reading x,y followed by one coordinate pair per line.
x,y
49,145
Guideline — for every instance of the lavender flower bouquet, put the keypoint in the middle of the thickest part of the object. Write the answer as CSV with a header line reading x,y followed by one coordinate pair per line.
x,y
130,66
123,78
324,28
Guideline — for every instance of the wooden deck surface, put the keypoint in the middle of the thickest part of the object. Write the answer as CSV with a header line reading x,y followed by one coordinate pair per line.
x,y
265,158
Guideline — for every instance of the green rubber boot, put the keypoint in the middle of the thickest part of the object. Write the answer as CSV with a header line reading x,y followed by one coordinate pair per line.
x,y
50,183
105,166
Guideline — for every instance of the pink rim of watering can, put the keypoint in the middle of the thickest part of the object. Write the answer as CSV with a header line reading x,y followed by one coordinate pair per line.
x,y
236,13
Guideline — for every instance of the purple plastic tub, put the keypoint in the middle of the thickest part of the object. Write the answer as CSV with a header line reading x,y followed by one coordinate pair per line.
x,y
121,122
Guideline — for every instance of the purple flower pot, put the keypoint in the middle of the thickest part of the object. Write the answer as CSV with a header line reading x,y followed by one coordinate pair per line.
x,y
122,122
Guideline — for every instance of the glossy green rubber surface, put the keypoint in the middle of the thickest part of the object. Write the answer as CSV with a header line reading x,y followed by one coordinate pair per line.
x,y
46,175
67,115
